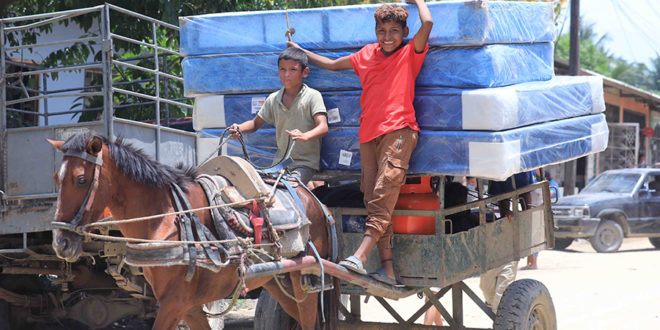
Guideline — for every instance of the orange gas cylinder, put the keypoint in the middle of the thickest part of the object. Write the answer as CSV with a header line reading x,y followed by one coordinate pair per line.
x,y
416,195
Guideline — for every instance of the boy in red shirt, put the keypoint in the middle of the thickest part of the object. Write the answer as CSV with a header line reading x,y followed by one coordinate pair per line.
x,y
388,128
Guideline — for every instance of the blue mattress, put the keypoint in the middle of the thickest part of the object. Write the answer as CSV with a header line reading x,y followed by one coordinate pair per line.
x,y
490,109
493,155
488,66
455,23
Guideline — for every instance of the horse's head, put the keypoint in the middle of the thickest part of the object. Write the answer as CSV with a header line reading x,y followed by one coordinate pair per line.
x,y
79,200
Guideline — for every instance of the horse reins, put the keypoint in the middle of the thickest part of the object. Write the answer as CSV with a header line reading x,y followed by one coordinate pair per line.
x,y
86,206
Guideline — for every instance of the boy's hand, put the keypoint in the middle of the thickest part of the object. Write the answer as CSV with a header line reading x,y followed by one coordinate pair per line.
x,y
234,131
297,135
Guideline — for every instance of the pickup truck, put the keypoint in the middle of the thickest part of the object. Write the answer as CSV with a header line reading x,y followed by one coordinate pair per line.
x,y
616,204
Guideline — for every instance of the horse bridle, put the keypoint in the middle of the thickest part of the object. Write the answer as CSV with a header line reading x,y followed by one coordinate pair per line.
x,y
73,224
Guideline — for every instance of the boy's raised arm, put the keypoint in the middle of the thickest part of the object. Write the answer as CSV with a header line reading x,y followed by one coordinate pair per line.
x,y
422,35
342,63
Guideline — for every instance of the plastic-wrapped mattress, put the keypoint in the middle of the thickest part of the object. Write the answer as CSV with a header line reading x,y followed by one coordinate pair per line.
x,y
493,155
489,109
456,23
488,66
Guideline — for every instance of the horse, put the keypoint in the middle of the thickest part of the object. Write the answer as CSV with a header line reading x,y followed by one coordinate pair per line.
x,y
96,173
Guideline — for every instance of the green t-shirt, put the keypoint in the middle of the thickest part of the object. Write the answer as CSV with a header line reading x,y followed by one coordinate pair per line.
x,y
300,116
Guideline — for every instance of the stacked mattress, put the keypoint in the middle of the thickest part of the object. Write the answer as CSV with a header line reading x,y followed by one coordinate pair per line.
x,y
486,98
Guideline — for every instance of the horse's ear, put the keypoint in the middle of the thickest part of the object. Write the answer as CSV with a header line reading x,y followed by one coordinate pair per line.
x,y
94,145
56,144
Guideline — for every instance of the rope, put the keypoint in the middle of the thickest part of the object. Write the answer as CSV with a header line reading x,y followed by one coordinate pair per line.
x,y
115,222
222,142
298,301
141,240
234,299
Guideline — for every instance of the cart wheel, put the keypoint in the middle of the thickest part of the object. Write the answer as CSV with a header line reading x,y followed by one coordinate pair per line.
x,y
269,315
562,243
655,241
4,315
526,304
608,237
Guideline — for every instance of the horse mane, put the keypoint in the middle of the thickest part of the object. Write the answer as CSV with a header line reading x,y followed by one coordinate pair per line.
x,y
134,163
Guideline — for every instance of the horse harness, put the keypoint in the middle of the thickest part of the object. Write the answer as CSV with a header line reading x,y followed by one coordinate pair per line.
x,y
86,206
191,226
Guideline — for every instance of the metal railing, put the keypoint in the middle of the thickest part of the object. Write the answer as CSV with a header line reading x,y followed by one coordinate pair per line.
x,y
108,67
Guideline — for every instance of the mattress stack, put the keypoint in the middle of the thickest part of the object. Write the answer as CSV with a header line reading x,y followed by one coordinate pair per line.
x,y
486,98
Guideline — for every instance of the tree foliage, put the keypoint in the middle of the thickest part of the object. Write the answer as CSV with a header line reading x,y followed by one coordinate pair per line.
x,y
130,79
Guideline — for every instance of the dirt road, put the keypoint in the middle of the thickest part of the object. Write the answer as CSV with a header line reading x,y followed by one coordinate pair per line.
x,y
590,290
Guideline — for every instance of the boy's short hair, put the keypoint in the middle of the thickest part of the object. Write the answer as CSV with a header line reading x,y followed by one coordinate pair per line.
x,y
391,13
295,54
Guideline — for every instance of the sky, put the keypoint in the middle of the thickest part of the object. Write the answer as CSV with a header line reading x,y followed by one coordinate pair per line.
x,y
632,26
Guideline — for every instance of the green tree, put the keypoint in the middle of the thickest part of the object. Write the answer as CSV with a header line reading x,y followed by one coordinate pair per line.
x,y
167,11
593,55
655,74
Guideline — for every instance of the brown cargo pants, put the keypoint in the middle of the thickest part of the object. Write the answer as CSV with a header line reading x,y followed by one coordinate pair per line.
x,y
384,164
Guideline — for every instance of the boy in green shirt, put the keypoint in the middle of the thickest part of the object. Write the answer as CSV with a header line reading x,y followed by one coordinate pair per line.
x,y
298,113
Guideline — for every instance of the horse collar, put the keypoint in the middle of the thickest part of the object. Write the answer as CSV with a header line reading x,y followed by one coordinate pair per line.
x,y
89,199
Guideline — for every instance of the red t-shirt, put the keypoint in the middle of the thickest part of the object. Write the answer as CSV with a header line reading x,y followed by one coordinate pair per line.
x,y
388,85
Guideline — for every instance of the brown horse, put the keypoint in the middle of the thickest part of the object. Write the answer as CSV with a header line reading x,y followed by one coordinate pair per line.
x,y
132,185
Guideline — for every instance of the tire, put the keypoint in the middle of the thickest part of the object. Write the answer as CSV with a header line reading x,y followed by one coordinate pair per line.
x,y
562,243
4,315
268,315
655,241
608,237
526,304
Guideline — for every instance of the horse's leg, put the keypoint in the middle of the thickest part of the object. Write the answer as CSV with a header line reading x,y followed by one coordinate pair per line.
x,y
168,317
196,319
307,309
289,306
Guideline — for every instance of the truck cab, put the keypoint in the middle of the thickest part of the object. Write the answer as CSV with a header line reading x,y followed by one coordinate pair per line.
x,y
616,204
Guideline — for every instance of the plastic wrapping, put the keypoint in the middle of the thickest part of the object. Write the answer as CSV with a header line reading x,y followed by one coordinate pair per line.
x,y
492,155
489,66
489,109
455,23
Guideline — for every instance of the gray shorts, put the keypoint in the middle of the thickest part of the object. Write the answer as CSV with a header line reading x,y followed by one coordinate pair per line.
x,y
304,173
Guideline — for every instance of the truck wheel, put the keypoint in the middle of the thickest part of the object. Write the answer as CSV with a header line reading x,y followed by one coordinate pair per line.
x,y
608,237
269,315
562,243
655,241
526,304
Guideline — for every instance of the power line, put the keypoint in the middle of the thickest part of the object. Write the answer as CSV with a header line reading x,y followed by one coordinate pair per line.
x,y
636,23
618,18
636,19
655,11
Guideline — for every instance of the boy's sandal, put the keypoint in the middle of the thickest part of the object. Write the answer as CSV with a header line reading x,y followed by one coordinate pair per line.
x,y
353,264
381,276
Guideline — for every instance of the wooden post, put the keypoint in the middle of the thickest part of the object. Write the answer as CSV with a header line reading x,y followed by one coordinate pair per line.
x,y
570,168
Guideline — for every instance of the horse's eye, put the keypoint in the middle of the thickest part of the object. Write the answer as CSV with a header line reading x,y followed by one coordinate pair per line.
x,y
82,180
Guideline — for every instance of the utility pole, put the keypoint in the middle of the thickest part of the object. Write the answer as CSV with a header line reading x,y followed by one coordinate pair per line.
x,y
570,168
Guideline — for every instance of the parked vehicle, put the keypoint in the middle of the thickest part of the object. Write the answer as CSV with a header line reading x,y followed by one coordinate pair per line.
x,y
616,204
35,285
